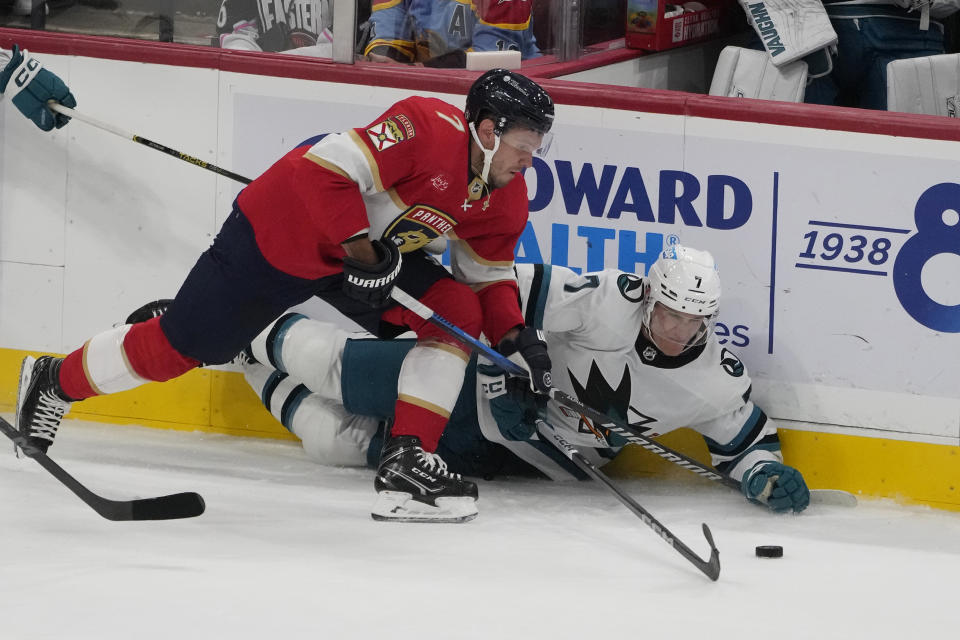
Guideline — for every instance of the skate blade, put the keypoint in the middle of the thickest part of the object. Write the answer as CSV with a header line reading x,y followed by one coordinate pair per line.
x,y
26,372
397,506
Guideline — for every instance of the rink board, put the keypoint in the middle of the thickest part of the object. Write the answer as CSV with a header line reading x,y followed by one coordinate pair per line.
x,y
836,232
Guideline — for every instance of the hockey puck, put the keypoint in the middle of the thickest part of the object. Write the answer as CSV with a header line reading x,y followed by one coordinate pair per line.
x,y
769,551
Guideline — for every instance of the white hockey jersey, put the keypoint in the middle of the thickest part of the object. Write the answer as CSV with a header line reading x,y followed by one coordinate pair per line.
x,y
592,327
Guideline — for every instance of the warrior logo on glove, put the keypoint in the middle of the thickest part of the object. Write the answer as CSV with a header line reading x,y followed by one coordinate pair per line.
x,y
372,283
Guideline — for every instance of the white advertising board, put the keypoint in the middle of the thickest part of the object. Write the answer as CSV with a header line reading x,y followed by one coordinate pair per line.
x,y
843,305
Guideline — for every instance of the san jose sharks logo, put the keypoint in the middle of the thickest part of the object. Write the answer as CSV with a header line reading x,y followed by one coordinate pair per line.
x,y
631,286
731,363
598,394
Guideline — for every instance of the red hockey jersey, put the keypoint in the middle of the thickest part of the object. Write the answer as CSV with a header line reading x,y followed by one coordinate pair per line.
x,y
405,177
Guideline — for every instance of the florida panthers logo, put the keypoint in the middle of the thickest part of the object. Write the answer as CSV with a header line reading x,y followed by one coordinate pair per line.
x,y
417,226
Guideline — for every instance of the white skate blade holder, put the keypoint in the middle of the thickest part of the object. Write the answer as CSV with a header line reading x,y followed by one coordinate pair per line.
x,y
398,506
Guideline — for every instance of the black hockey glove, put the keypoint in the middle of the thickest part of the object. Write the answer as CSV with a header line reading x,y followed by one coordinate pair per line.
x,y
533,404
531,346
372,283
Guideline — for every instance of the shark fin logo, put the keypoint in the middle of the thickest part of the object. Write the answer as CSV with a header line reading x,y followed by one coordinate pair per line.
x,y
731,363
630,286
614,402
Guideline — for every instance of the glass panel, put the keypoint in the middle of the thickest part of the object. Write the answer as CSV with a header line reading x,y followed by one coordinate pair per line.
x,y
438,33
432,33
251,25
186,21
304,27
568,29
603,21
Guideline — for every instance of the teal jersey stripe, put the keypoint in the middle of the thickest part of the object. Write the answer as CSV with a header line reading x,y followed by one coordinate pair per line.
x,y
537,300
748,434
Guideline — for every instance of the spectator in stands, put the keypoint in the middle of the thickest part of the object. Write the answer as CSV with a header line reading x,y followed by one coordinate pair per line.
x,y
275,25
871,34
439,32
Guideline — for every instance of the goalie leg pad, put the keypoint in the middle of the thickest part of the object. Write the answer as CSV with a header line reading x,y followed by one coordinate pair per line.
x,y
746,73
929,84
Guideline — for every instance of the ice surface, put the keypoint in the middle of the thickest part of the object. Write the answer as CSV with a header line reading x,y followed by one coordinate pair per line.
x,y
287,549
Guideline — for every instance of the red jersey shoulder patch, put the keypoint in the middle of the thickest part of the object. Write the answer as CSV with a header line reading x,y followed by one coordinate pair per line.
x,y
391,131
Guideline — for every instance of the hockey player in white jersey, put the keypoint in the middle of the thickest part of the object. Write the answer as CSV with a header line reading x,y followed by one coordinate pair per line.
x,y
639,349
644,350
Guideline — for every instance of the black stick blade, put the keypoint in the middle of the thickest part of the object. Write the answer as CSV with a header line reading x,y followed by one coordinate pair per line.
x,y
712,567
172,507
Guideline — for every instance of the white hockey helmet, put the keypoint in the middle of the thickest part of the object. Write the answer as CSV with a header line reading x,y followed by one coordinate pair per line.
x,y
684,280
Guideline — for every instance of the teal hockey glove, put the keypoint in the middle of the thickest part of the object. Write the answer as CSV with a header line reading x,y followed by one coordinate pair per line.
x,y
29,86
513,404
776,485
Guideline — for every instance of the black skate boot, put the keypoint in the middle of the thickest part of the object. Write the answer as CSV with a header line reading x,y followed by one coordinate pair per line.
x,y
415,486
149,311
41,402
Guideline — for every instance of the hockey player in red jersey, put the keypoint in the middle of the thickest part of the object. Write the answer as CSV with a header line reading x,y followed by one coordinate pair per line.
x,y
347,217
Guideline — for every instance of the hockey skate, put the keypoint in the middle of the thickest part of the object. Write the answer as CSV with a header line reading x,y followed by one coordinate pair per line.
x,y
41,402
149,311
415,486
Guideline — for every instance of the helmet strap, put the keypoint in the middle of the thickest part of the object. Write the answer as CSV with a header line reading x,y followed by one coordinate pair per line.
x,y
487,153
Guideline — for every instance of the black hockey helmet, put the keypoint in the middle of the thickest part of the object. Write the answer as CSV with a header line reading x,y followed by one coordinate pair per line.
x,y
509,99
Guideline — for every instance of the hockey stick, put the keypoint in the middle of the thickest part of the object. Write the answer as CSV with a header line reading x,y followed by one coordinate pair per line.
x,y
620,427
711,567
170,507
67,111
